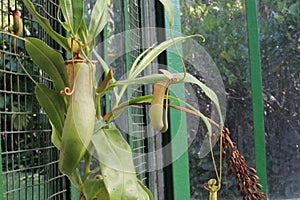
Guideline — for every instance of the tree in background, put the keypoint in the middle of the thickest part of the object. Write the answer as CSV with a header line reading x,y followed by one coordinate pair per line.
x,y
223,23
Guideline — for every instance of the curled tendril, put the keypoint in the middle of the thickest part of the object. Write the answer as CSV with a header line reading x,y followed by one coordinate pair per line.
x,y
66,91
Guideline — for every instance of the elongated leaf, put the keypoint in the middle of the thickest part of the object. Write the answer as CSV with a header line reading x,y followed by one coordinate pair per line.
x,y
169,7
49,60
102,63
83,35
99,18
73,13
56,137
141,99
153,78
95,189
151,55
132,68
53,104
202,116
146,189
154,53
80,120
72,146
104,67
117,166
82,32
149,79
43,22
205,148
103,86
208,92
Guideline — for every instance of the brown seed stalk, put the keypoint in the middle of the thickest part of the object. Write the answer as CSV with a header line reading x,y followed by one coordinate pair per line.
x,y
245,176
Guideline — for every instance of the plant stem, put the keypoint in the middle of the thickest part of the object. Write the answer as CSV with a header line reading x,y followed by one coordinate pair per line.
x,y
119,96
98,107
87,164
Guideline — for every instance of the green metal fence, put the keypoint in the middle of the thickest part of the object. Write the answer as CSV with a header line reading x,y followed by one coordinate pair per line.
x,y
128,17
136,113
29,160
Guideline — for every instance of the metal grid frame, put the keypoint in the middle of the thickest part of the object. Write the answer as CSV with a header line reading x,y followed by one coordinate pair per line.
x,y
29,160
127,15
137,138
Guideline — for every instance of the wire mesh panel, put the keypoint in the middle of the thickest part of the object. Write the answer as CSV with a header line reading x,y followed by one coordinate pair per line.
x,y
137,138
29,160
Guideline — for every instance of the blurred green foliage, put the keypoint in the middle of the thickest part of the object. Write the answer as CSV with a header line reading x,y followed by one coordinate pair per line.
x,y
223,23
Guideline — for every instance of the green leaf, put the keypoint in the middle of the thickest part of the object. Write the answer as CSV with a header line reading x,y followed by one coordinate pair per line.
x,y
104,84
82,32
153,78
155,52
146,189
132,68
214,98
170,11
49,60
83,35
202,116
75,178
95,189
99,18
116,113
56,137
117,168
102,63
53,104
104,67
43,22
148,58
148,79
188,79
73,13
208,92
80,120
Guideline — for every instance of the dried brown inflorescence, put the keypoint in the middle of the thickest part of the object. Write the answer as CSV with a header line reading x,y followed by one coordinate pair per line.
x,y
246,176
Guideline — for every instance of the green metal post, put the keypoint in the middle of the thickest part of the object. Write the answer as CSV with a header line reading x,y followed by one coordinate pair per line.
x,y
105,53
178,130
257,100
127,47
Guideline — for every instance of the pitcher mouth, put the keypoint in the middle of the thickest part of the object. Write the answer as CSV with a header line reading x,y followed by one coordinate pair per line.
x,y
80,61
